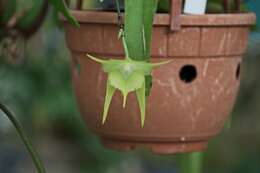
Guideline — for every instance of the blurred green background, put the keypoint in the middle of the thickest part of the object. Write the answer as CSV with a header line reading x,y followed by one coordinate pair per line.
x,y
38,90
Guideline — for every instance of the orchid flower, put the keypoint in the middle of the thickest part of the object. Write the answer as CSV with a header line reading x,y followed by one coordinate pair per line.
x,y
127,76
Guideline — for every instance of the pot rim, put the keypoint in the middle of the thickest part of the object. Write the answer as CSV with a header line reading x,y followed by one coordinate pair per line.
x,y
163,19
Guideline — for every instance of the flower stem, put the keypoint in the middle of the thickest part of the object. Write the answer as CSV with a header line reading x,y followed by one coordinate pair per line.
x,y
125,46
34,155
121,31
192,162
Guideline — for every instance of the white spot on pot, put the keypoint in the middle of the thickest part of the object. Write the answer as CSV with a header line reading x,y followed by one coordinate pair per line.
x,y
173,87
220,86
183,139
198,112
160,83
170,84
183,146
213,97
188,98
222,44
161,50
229,35
205,69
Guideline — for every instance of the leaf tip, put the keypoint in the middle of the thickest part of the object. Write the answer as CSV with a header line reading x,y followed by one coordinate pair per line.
x,y
95,59
125,99
103,120
142,117
161,63
142,124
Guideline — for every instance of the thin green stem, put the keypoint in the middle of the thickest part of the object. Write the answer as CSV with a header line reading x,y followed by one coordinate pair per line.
x,y
192,163
34,155
125,46
121,31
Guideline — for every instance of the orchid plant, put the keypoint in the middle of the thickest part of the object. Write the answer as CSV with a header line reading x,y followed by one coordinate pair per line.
x,y
134,73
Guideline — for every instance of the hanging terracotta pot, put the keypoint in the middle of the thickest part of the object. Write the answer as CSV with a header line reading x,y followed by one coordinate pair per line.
x,y
191,97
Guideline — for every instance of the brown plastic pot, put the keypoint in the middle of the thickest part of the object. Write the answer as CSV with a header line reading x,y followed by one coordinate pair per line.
x,y
191,97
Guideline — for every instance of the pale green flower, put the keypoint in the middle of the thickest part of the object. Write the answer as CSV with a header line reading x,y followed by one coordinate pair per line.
x,y
127,76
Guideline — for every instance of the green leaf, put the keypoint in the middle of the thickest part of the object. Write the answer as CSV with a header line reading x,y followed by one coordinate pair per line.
x,y
8,11
109,94
134,28
150,8
140,93
139,15
29,18
60,6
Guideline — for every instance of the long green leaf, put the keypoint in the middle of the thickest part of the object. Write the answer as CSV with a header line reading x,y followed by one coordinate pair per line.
x,y
134,28
150,8
139,15
34,155
60,6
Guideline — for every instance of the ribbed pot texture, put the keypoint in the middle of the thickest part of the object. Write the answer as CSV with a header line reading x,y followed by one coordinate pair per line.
x,y
191,97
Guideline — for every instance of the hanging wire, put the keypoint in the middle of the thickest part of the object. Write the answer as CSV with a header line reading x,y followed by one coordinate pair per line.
x,y
119,15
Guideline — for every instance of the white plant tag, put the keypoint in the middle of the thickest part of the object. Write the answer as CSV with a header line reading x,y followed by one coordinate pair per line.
x,y
195,6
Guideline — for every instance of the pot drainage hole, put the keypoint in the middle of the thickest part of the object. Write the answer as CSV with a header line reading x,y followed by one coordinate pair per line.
x,y
188,73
